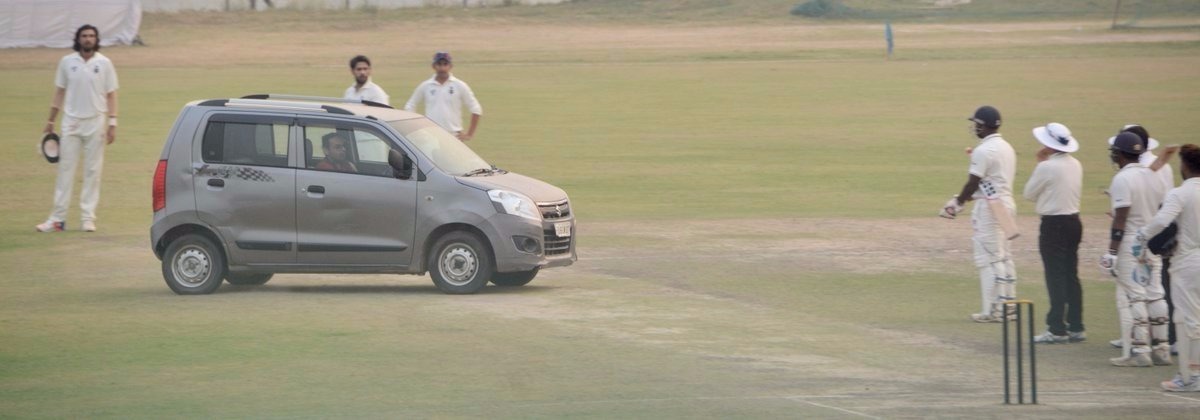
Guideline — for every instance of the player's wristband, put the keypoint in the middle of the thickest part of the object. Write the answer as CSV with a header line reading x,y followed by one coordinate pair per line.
x,y
112,122
1112,251
1116,235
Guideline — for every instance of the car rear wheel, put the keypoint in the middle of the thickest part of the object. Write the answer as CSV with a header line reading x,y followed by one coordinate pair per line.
x,y
193,265
248,279
519,278
460,263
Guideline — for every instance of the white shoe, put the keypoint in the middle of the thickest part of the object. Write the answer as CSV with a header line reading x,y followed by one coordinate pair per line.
x,y
1115,343
1161,355
51,226
985,318
1050,338
89,226
1134,360
1179,385
1076,337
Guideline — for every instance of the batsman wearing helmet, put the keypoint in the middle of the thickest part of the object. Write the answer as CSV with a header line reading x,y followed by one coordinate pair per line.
x,y
1136,193
989,182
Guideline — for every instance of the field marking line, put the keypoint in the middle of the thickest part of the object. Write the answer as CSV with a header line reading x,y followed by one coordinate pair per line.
x,y
1181,397
835,408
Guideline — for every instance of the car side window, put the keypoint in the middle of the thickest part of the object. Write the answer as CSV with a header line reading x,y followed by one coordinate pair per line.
x,y
246,143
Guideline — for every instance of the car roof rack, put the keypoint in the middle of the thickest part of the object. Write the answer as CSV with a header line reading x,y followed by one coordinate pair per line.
x,y
277,105
316,99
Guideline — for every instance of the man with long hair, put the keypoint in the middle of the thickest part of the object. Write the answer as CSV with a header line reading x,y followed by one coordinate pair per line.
x,y
86,92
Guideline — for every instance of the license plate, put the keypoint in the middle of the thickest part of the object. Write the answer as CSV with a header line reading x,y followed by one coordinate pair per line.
x,y
562,230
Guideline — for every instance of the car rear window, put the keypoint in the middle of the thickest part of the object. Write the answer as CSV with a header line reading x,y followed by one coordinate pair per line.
x,y
246,143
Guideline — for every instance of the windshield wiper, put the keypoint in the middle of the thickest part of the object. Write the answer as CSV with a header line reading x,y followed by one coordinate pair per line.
x,y
479,171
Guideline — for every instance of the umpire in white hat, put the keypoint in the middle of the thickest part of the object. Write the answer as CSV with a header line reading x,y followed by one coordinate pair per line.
x,y
1056,185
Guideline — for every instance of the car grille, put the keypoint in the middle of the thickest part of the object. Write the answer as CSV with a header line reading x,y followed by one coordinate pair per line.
x,y
552,211
556,245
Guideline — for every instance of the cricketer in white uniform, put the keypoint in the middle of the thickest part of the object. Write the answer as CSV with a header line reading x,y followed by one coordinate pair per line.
x,y
1182,206
363,88
1165,173
87,85
1136,194
992,171
445,97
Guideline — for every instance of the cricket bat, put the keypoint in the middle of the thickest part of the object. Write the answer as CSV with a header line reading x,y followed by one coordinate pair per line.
x,y
999,211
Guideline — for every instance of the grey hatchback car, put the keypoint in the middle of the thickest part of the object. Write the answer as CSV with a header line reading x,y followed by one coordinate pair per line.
x,y
264,184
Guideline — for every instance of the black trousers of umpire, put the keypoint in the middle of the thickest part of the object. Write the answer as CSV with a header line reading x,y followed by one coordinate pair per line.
x,y
1059,245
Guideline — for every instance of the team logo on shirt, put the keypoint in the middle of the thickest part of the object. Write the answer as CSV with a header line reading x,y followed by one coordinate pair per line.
x,y
96,69
73,68
451,90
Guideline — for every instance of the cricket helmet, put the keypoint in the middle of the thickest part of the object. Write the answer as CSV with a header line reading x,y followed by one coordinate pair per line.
x,y
986,116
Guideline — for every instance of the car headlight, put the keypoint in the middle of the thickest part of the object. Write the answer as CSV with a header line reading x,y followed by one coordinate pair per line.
x,y
509,202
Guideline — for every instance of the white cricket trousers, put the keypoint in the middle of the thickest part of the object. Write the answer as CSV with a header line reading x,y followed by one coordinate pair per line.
x,y
86,136
1185,294
993,257
1141,307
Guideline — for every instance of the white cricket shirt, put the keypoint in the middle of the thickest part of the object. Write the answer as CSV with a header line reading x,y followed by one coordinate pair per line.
x,y
87,84
444,102
994,161
1056,185
369,92
1141,190
1165,172
1180,206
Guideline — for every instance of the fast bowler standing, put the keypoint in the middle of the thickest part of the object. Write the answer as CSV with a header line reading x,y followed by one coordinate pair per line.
x,y
989,182
1056,185
444,97
363,88
1136,194
87,86
1182,206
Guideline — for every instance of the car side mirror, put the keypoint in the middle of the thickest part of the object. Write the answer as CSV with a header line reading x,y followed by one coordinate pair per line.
x,y
402,166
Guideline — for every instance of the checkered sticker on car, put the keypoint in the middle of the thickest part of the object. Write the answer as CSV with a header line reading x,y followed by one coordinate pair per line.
x,y
252,174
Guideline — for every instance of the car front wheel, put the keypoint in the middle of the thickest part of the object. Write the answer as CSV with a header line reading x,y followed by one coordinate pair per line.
x,y
460,263
193,265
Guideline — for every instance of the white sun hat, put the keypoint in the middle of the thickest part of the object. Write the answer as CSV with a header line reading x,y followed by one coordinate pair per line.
x,y
1056,136
1150,145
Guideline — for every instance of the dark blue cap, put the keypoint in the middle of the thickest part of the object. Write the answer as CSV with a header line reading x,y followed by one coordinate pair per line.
x,y
1128,143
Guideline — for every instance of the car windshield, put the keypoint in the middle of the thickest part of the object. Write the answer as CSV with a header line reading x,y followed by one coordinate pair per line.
x,y
444,149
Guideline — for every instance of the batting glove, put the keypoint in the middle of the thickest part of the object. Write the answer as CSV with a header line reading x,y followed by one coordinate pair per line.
x,y
1108,263
951,209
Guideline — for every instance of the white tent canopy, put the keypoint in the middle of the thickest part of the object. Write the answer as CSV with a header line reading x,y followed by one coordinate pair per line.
x,y
52,23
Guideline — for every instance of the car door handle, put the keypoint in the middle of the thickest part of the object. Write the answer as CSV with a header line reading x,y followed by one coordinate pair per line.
x,y
315,189
216,182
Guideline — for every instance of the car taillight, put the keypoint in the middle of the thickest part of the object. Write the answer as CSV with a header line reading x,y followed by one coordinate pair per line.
x,y
160,186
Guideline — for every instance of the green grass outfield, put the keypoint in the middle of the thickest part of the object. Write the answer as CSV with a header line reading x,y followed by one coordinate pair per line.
x,y
716,183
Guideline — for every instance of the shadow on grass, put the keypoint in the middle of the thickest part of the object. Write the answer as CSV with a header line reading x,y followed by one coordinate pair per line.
x,y
373,289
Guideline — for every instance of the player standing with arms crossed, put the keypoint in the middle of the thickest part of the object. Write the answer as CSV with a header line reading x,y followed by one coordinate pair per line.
x,y
991,174
1056,185
1136,193
1182,206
